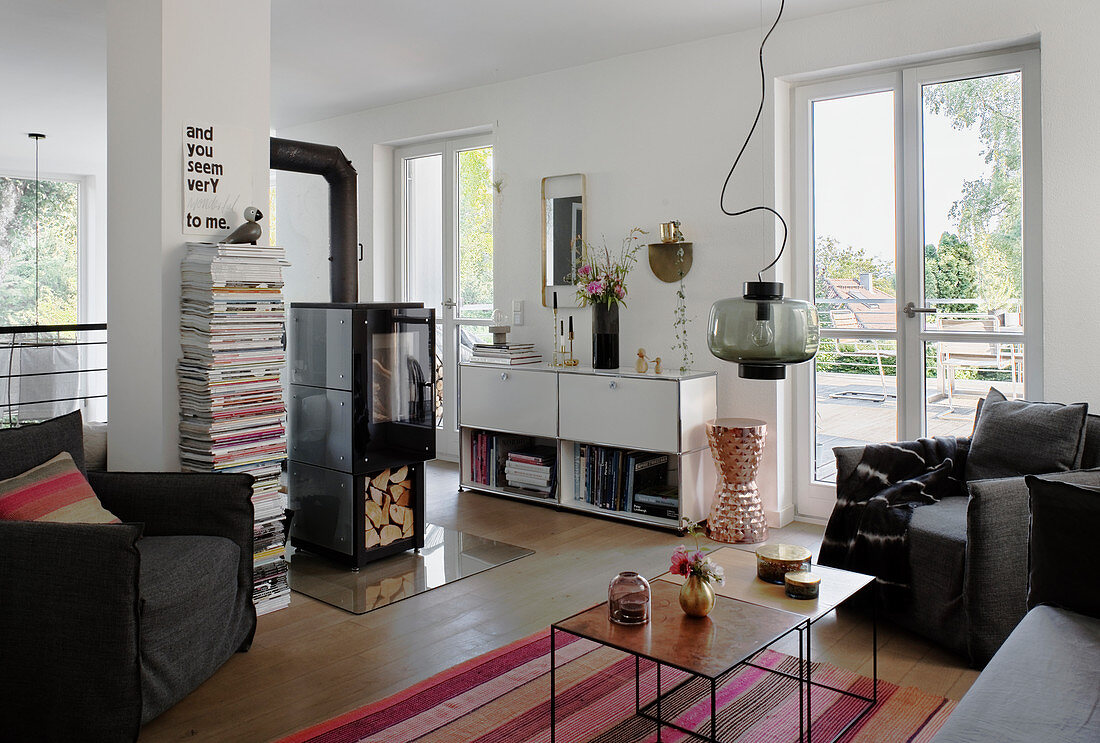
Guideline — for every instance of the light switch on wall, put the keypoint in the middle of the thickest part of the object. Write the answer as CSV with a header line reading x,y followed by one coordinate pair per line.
x,y
517,312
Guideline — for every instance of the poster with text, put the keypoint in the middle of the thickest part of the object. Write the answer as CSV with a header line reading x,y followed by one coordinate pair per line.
x,y
217,178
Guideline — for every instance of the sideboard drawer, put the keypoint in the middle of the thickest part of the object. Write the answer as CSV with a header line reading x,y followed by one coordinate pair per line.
x,y
638,413
509,400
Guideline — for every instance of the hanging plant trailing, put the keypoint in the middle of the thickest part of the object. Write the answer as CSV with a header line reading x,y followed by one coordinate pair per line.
x,y
682,320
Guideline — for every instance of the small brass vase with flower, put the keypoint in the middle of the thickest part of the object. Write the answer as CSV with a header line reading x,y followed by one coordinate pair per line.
x,y
696,595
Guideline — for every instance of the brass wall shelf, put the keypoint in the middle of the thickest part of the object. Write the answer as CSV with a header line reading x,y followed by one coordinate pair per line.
x,y
666,263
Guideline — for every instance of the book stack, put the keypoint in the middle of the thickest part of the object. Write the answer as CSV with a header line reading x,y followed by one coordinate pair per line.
x,y
620,480
232,414
662,501
531,470
489,451
506,354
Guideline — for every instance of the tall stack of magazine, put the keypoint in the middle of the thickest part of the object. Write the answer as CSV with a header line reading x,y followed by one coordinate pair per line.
x,y
232,414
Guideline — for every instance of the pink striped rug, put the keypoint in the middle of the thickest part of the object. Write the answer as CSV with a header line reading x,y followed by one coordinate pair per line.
x,y
504,697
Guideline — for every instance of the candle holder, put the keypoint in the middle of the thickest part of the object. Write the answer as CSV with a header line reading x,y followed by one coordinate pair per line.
x,y
571,361
628,598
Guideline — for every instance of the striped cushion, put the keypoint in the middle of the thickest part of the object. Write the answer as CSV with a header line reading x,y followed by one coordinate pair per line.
x,y
54,491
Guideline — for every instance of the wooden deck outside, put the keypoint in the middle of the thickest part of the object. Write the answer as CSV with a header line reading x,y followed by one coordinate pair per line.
x,y
852,409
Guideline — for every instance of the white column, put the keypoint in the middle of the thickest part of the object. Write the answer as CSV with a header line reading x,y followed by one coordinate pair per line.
x,y
169,63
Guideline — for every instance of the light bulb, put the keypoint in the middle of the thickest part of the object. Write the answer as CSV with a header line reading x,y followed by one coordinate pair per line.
x,y
498,317
762,333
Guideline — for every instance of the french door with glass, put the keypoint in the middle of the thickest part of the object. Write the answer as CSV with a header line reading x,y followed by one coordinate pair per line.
x,y
444,217
917,202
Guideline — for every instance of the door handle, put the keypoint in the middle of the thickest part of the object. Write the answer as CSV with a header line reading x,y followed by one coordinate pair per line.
x,y
448,303
911,310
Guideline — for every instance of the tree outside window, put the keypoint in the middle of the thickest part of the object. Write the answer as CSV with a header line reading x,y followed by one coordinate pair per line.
x,y
51,297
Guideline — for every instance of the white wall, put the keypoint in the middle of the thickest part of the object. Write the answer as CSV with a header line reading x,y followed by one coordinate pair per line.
x,y
169,63
655,132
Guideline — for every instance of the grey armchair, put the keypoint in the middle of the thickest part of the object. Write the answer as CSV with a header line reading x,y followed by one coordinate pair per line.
x,y
105,626
968,557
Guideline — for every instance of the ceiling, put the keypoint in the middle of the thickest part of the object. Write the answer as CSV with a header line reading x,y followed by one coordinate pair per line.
x,y
331,57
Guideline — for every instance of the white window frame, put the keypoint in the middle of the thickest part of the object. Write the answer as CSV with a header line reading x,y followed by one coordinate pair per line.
x,y
88,261
448,319
813,499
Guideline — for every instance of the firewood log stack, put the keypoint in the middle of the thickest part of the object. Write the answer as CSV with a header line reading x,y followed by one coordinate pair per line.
x,y
389,516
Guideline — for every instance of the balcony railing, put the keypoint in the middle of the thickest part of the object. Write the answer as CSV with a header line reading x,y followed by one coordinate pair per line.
x,y
50,370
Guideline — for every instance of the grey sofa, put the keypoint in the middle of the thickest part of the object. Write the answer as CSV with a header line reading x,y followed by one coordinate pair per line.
x,y
968,560
1042,685
105,626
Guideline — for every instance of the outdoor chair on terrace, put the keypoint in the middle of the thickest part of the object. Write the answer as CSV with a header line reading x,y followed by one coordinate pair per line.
x,y
980,356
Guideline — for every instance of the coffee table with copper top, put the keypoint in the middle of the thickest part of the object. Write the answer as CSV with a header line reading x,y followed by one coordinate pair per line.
x,y
710,648
837,586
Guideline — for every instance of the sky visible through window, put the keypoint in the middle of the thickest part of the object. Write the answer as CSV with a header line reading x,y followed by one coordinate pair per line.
x,y
854,171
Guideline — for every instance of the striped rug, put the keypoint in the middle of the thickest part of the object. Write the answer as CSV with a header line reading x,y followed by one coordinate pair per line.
x,y
504,697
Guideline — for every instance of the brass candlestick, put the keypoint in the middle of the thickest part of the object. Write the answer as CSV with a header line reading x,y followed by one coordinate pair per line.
x,y
571,361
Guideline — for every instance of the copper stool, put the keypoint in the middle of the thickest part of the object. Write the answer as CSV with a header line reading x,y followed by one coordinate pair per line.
x,y
736,514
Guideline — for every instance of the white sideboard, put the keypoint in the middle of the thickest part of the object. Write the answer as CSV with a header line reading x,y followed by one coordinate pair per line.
x,y
618,410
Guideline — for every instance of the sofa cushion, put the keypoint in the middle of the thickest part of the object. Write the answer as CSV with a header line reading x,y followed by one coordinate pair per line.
x,y
29,446
1042,685
54,491
1065,519
1017,437
937,555
188,588
1090,457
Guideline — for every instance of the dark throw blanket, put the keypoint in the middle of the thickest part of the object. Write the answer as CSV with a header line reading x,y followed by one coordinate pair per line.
x,y
868,531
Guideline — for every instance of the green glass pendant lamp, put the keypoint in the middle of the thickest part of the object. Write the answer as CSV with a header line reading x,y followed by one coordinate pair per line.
x,y
762,331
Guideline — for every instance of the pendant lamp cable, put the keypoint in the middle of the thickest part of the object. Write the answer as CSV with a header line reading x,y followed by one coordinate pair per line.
x,y
752,130
37,139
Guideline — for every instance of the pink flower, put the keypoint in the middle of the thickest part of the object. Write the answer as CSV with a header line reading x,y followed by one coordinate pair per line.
x,y
681,563
594,288
620,292
584,271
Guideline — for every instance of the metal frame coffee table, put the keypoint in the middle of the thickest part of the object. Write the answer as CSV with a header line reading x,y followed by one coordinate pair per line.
x,y
749,616
709,648
837,587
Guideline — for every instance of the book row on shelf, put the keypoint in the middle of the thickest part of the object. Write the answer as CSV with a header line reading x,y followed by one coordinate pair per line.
x,y
622,480
232,414
514,463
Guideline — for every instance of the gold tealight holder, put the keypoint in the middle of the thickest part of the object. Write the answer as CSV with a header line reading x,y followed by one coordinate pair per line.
x,y
802,585
774,561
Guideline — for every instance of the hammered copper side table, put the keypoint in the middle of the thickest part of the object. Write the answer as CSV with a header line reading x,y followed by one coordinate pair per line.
x,y
736,515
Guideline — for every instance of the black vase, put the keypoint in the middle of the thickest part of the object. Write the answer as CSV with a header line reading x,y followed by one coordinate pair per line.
x,y
605,335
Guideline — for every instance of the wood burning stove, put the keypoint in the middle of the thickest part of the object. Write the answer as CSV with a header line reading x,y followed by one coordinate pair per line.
x,y
362,422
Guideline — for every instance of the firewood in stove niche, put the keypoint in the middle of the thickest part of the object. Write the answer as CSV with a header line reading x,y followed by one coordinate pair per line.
x,y
386,505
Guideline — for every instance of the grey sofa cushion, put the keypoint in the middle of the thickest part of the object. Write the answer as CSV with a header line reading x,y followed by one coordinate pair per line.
x,y
188,588
1042,685
1065,519
1017,437
937,554
29,446
1090,457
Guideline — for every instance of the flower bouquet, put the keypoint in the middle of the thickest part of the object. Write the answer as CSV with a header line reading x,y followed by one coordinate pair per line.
x,y
601,276
696,595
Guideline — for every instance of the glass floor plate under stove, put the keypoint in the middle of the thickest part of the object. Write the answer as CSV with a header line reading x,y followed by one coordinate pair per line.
x,y
448,555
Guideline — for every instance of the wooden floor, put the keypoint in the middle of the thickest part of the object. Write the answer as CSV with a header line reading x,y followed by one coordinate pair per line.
x,y
312,662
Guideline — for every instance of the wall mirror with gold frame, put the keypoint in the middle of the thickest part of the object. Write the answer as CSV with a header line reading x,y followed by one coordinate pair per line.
x,y
564,220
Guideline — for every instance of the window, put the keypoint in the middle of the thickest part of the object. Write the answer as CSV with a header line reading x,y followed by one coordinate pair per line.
x,y
39,284
917,229
444,200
